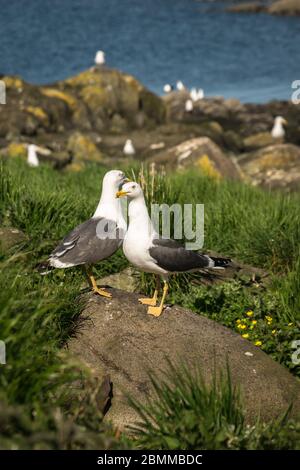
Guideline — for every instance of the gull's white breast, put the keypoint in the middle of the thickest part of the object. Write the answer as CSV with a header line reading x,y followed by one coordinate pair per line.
x,y
136,249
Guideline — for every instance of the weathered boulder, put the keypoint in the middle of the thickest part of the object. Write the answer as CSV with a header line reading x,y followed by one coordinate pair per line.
x,y
201,153
275,166
118,338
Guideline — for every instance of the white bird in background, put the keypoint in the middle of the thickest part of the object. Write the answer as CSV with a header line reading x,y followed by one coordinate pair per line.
x,y
100,58
179,85
197,95
128,148
32,157
167,88
189,106
278,131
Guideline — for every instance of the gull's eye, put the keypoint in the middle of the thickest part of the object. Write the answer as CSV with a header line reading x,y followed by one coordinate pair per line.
x,y
133,186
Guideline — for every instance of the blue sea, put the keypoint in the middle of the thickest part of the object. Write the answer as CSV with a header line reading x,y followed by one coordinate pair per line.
x,y
252,57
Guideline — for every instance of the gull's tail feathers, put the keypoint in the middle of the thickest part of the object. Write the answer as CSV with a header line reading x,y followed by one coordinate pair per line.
x,y
219,263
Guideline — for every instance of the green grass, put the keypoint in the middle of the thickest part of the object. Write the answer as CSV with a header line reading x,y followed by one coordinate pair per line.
x,y
188,414
39,313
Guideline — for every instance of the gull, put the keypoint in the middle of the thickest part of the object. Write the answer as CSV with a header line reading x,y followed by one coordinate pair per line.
x,y
278,131
100,58
98,237
179,85
32,157
189,106
167,88
150,253
128,148
196,95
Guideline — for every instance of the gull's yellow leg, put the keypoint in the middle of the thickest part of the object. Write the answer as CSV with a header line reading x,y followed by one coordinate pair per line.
x,y
152,301
93,284
156,311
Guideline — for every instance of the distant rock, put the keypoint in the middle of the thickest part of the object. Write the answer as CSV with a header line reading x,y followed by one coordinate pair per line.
x,y
285,7
10,237
118,338
248,7
200,153
83,149
275,166
257,141
279,7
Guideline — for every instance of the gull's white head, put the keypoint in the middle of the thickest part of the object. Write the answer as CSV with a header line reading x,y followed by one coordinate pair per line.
x,y
132,190
114,179
280,120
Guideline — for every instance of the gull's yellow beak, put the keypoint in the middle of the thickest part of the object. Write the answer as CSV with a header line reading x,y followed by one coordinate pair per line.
x,y
121,194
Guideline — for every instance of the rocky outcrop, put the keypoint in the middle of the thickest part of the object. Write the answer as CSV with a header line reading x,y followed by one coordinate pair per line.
x,y
118,338
248,7
275,166
200,153
278,7
285,7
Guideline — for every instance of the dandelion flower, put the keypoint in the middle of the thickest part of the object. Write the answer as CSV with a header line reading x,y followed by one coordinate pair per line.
x,y
241,327
254,322
269,319
258,343
245,335
250,313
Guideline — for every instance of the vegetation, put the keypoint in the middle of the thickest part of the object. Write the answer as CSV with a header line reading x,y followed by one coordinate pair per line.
x,y
41,404
187,414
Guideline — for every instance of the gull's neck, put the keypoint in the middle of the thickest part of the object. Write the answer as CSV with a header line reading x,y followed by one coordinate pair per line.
x,y
139,220
109,206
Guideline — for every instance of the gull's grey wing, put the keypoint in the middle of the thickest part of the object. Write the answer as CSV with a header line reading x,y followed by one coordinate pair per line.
x,y
173,257
83,244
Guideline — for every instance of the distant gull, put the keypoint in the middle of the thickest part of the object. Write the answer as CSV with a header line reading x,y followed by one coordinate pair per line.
x,y
167,88
189,106
128,148
100,58
196,95
32,157
180,86
98,237
278,131
149,252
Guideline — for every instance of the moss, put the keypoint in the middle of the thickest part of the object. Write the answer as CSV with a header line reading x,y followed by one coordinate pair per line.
x,y
16,149
208,167
13,82
66,97
83,148
39,113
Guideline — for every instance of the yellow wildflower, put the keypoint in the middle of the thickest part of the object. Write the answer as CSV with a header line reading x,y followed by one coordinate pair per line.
x,y
238,321
245,335
249,313
269,319
241,327
254,322
273,332
290,324
258,343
